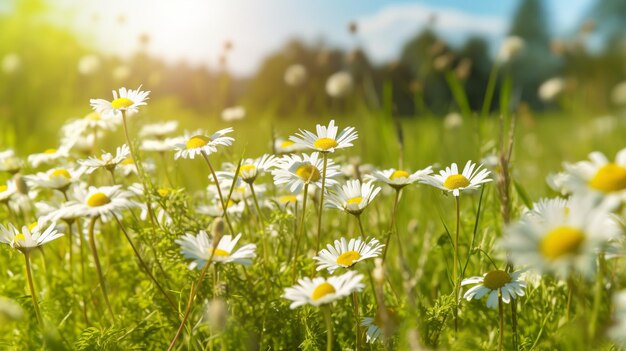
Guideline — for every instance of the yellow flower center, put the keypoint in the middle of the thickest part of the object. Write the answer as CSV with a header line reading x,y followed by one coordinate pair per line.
x,y
60,172
246,168
94,116
230,203
287,199
164,191
456,181
3,188
322,290
220,252
561,241
33,225
347,258
98,199
496,279
286,144
197,141
308,173
18,237
50,151
355,200
610,177
121,103
128,161
325,143
398,174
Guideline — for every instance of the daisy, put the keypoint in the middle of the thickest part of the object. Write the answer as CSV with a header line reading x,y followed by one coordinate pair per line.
x,y
198,143
29,237
101,202
106,161
326,139
297,170
94,121
617,331
250,168
319,291
8,190
398,179
160,145
373,330
347,254
494,283
55,178
158,130
285,146
562,241
126,101
199,248
48,156
603,178
450,180
9,162
353,196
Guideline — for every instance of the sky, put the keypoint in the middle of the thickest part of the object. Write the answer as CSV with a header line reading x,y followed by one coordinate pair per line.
x,y
195,30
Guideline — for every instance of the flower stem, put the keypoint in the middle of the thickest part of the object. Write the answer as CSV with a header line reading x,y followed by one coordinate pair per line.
x,y
570,297
501,314
597,298
301,231
262,218
457,279
357,328
393,222
143,264
329,327
194,291
82,266
31,286
321,207
94,252
219,192
358,218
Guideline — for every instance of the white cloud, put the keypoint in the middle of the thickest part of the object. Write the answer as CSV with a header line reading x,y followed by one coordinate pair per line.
x,y
386,31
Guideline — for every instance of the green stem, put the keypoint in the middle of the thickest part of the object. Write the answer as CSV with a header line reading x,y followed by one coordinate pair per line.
x,y
219,193
358,218
357,327
457,285
491,86
501,314
194,291
393,222
94,252
301,231
143,264
329,327
570,297
321,207
597,298
82,267
262,218
31,286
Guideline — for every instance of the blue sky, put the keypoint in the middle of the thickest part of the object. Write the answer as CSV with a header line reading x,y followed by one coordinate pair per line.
x,y
194,30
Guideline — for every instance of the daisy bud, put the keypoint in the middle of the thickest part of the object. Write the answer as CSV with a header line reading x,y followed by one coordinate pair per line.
x,y
20,184
10,311
216,314
379,272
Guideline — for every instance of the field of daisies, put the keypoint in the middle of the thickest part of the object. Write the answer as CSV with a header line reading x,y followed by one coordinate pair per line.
x,y
338,233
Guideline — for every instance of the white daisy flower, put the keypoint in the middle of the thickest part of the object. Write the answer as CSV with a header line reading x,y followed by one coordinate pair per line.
x,y
617,331
160,145
494,283
55,178
297,170
544,206
48,156
562,241
398,179
28,237
326,139
339,84
198,143
319,291
347,253
158,130
450,180
199,248
9,162
373,330
250,168
234,113
102,201
106,161
8,190
599,176
94,121
285,146
127,100
353,196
